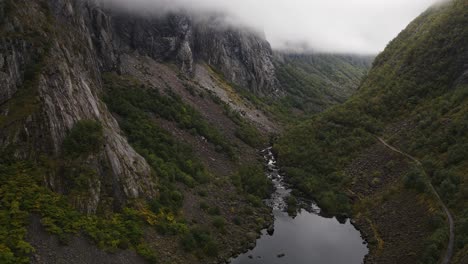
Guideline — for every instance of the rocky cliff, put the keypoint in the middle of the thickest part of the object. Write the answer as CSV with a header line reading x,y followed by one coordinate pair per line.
x,y
243,56
52,55
52,76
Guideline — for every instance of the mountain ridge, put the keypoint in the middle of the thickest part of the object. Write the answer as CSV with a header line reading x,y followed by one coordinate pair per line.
x,y
414,97
129,134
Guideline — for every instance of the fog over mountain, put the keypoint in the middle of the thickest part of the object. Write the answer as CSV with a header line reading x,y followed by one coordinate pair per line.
x,y
342,26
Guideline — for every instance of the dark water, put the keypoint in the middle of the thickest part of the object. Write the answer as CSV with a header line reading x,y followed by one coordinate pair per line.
x,y
307,238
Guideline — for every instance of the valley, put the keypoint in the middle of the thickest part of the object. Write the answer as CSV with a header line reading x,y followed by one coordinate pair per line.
x,y
138,138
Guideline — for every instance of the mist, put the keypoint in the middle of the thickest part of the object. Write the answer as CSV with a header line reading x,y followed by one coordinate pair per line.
x,y
333,26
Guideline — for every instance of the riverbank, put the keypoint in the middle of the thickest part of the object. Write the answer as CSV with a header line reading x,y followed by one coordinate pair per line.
x,y
303,236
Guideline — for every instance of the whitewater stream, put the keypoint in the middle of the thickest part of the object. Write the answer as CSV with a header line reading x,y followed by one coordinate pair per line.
x,y
307,238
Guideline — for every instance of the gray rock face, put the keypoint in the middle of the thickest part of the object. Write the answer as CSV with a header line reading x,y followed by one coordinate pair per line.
x,y
70,43
241,55
68,87
12,55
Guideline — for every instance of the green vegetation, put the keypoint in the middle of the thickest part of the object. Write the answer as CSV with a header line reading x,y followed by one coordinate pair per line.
x,y
252,180
214,211
315,82
416,86
437,243
200,241
125,95
246,132
461,229
26,101
415,179
219,222
85,137
83,140
292,205
313,162
137,108
6,7
277,108
21,195
171,160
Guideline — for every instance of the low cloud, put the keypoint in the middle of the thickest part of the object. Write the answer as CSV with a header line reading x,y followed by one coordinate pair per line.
x,y
339,26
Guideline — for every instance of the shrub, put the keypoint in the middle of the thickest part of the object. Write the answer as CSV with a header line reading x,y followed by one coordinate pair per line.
x,y
201,240
170,159
144,251
214,211
457,153
21,194
245,131
211,249
334,203
237,220
85,138
219,222
461,239
204,206
126,97
292,205
254,200
415,179
253,180
171,198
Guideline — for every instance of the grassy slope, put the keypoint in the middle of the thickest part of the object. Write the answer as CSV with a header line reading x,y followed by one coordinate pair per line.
x,y
317,81
416,97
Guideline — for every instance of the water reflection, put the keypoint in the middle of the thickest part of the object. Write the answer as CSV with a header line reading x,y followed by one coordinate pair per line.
x,y
306,238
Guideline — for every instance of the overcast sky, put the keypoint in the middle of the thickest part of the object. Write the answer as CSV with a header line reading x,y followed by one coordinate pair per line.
x,y
343,26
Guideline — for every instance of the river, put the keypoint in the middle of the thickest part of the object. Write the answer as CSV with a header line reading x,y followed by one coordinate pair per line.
x,y
306,238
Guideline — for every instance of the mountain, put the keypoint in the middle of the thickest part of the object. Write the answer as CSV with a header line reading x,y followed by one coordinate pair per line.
x,y
315,82
125,131
128,138
414,99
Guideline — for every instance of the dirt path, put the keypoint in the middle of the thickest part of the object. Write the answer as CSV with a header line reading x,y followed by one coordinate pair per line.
x,y
449,252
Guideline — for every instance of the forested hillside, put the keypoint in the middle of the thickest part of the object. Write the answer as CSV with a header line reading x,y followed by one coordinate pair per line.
x,y
415,97
314,82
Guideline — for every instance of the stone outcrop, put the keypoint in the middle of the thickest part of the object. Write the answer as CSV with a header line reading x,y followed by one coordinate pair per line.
x,y
244,57
64,90
52,55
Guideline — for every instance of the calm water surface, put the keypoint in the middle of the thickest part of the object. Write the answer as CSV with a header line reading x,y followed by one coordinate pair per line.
x,y
307,238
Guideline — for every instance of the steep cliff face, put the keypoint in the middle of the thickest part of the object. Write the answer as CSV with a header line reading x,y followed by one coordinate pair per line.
x,y
52,77
242,56
50,70
60,61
